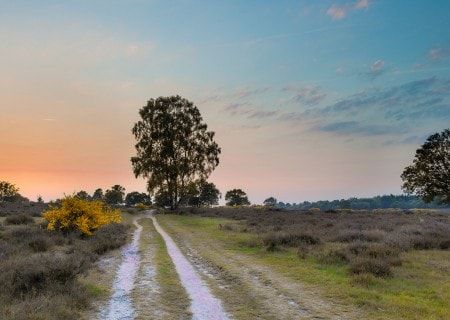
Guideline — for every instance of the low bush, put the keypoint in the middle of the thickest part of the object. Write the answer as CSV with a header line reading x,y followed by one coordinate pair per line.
x,y
19,219
81,215
25,274
289,239
364,265
334,256
108,237
365,235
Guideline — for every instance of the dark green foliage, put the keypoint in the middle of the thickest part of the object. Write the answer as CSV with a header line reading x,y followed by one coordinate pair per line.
x,y
8,191
135,197
209,194
429,175
19,219
174,147
270,202
200,193
82,195
378,202
98,194
236,197
114,196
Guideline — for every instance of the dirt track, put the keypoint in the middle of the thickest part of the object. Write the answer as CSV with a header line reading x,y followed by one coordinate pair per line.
x,y
199,280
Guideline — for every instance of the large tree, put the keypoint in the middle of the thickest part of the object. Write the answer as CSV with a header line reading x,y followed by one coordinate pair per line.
x,y
429,174
236,197
174,147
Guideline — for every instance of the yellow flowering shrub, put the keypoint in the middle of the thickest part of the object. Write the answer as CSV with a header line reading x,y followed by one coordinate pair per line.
x,y
141,206
82,215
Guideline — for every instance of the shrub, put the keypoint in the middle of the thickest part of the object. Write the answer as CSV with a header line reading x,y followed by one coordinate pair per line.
x,y
19,219
377,267
81,215
142,207
365,235
108,237
289,239
40,243
25,274
334,257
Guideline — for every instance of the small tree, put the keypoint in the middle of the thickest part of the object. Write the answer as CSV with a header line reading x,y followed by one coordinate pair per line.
x,y
270,202
39,199
98,194
8,191
429,174
82,195
115,195
134,198
209,195
236,197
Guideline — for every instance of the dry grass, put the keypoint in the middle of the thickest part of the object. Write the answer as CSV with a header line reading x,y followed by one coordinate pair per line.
x,y
40,269
368,242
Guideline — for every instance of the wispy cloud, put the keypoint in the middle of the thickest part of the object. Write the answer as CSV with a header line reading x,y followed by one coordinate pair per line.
x,y
438,53
339,12
307,95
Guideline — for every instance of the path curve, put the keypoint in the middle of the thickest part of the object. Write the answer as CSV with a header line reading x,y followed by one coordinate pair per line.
x,y
204,306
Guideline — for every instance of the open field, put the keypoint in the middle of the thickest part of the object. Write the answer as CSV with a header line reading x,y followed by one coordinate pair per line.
x,y
353,265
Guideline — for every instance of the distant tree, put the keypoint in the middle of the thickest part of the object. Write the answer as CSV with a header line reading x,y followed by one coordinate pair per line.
x,y
39,199
208,194
8,191
429,174
270,202
82,195
133,198
174,147
98,194
115,195
236,197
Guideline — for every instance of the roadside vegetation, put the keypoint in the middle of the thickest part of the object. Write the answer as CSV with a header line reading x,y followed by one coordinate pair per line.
x,y
391,263
41,270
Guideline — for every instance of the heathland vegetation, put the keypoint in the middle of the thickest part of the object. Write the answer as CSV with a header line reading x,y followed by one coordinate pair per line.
x,y
387,255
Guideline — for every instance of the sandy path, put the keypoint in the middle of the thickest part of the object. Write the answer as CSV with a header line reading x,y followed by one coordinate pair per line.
x,y
203,304
120,305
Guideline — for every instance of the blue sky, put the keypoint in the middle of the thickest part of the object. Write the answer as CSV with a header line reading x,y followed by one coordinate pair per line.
x,y
309,99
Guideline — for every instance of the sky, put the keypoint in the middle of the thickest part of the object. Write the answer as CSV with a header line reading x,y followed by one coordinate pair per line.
x,y
309,99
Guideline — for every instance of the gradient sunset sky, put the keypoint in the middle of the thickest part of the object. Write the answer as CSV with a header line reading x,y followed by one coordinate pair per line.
x,y
309,99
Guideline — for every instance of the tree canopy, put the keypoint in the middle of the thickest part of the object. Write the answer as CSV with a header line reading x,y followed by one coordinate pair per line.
x,y
429,174
98,194
174,147
270,202
8,191
115,195
236,197
134,198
